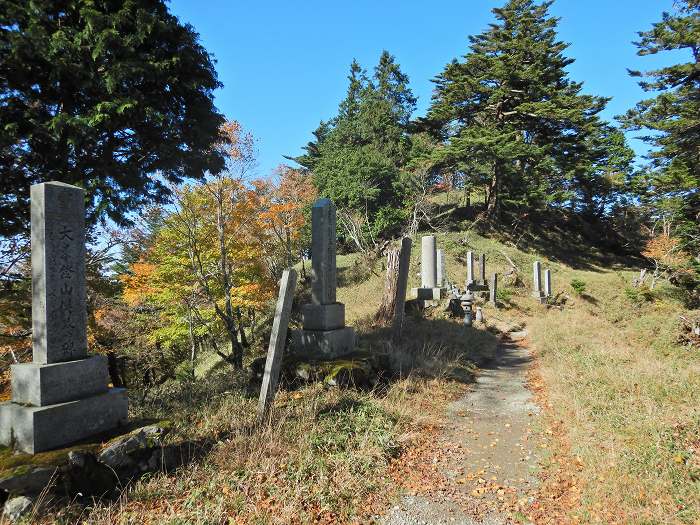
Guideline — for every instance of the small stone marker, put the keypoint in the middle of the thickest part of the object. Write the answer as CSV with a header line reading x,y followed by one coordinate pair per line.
x,y
548,283
493,289
479,315
278,339
62,396
537,282
482,268
470,267
324,333
440,269
402,285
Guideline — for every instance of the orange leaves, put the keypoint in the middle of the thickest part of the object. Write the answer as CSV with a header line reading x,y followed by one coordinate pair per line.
x,y
665,249
138,284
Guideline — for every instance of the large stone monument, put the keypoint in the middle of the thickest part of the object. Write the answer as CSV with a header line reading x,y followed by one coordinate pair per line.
x,y
324,332
429,289
62,396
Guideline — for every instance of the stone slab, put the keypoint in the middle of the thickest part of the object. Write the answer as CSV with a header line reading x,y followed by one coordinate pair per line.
x,y
59,314
37,429
323,316
278,340
41,385
324,343
427,294
6,409
402,285
476,286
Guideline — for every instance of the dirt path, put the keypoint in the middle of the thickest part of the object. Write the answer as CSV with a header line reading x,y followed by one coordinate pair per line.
x,y
488,454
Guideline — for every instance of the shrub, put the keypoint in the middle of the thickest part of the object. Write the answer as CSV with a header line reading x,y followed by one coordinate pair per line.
x,y
579,286
639,295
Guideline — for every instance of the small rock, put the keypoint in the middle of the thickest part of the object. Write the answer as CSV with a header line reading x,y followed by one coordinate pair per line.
x,y
17,507
27,479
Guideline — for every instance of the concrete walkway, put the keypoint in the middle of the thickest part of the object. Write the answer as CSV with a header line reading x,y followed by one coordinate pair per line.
x,y
491,451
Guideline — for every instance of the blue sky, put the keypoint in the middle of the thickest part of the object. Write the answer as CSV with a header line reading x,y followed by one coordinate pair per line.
x,y
284,63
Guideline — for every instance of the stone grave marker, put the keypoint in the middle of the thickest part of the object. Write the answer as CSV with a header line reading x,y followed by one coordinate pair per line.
x,y
402,285
537,282
548,283
62,395
429,290
493,289
440,269
324,333
470,268
482,269
278,339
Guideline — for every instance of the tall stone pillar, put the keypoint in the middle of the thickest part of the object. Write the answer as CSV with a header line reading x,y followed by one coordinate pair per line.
x,y
493,289
430,289
440,269
482,269
428,263
537,282
62,396
324,333
470,268
548,283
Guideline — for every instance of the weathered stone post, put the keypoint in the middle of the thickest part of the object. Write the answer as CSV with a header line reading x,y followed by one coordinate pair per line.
x,y
548,283
429,290
537,282
493,289
470,268
402,286
428,266
324,333
440,268
62,396
278,338
482,269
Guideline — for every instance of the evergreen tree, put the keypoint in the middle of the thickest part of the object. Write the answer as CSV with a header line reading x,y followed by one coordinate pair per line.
x,y
358,156
673,119
115,97
510,106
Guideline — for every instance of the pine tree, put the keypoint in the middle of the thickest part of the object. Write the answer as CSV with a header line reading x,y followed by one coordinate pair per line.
x,y
358,156
510,106
672,118
116,97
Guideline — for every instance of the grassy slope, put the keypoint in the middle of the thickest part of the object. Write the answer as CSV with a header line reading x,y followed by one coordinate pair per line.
x,y
627,394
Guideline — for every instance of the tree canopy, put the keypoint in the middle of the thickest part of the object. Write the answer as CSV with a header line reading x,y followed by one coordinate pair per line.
x,y
510,106
115,97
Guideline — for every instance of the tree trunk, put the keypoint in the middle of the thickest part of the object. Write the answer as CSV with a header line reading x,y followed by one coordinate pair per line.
x,y
385,314
492,206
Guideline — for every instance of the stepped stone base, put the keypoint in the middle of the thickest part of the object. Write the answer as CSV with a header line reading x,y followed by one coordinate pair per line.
x,y
427,294
36,429
323,316
324,343
41,385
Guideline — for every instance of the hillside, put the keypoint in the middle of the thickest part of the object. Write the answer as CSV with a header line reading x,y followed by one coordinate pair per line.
x,y
619,405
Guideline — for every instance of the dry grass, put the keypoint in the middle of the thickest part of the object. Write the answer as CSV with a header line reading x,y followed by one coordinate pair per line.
x,y
323,458
629,398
